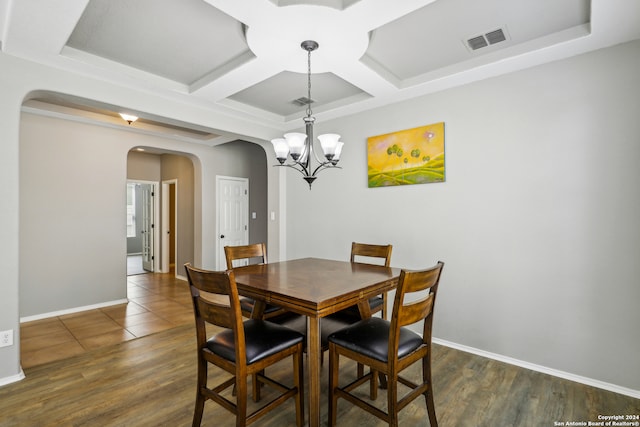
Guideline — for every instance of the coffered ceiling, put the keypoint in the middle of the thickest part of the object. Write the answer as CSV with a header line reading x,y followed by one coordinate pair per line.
x,y
244,56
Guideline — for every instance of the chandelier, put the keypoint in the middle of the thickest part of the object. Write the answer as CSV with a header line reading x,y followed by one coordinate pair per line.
x,y
299,146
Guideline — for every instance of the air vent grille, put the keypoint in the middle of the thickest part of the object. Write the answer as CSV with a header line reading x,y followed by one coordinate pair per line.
x,y
477,42
302,101
484,40
496,36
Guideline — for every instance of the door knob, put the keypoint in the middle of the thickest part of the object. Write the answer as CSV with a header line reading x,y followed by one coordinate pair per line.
x,y
222,236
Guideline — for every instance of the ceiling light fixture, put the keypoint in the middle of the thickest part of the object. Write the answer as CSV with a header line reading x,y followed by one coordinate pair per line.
x,y
300,145
128,118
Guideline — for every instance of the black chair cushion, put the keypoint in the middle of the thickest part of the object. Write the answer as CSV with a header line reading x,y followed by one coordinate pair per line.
x,y
371,338
246,304
262,339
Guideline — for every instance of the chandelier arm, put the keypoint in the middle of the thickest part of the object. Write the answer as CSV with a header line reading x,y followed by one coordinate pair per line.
x,y
323,166
297,167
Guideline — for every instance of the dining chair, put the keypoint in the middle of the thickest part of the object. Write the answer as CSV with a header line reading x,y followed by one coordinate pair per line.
x,y
389,347
257,252
253,253
243,349
366,253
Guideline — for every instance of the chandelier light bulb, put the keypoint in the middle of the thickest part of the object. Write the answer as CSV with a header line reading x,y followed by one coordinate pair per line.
x,y
281,148
295,141
329,143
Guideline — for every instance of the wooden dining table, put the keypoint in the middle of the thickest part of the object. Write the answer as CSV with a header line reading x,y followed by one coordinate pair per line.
x,y
315,288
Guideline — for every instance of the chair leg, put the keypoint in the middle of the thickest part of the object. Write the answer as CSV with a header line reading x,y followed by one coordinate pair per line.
x,y
298,369
200,399
392,401
334,366
255,387
241,402
373,385
383,380
197,413
428,394
431,409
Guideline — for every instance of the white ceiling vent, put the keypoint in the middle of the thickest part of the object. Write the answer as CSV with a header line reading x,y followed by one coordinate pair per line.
x,y
486,39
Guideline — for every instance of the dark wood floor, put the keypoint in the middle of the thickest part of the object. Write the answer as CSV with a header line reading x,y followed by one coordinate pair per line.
x,y
150,381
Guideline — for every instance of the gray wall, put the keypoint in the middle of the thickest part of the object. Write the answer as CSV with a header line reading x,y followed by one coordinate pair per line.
x,y
72,215
181,169
72,207
242,159
537,222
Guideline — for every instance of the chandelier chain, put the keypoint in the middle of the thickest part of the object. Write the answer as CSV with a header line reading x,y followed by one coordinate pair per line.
x,y
309,83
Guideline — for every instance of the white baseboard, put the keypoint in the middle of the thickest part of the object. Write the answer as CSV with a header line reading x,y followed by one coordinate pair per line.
x,y
72,310
554,372
12,379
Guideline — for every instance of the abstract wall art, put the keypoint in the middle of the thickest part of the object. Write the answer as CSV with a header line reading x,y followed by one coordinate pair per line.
x,y
406,157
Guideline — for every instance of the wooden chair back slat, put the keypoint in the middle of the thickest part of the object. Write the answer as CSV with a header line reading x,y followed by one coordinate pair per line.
x,y
368,251
407,311
415,311
214,313
236,253
219,286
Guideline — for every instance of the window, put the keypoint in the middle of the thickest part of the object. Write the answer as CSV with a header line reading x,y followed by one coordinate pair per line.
x,y
131,210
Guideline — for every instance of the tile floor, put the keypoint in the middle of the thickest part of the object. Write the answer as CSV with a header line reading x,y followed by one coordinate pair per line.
x,y
156,302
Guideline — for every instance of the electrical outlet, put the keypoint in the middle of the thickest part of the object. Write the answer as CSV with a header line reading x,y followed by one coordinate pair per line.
x,y
6,338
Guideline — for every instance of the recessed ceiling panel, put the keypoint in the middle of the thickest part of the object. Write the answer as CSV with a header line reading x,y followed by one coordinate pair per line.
x,y
180,40
423,41
278,93
204,52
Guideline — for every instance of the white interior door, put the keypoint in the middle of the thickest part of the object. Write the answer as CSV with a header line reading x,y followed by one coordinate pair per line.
x,y
147,226
233,214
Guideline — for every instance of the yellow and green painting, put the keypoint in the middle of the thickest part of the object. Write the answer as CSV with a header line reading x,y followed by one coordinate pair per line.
x,y
412,156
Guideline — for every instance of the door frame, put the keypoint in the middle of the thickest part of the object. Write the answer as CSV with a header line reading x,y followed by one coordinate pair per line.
x,y
220,264
156,219
166,224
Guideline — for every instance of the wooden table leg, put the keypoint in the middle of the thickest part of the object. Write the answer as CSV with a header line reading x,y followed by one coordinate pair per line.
x,y
314,352
258,309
